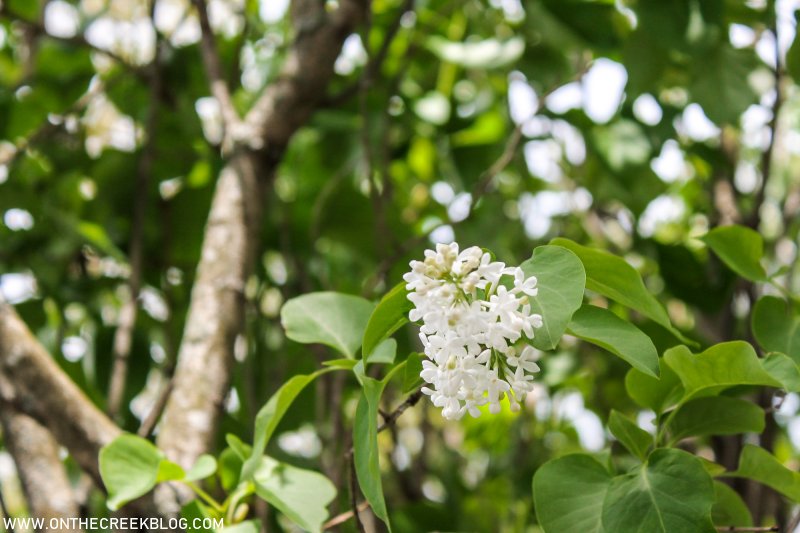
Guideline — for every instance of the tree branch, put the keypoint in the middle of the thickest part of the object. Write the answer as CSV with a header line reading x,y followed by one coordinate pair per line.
x,y
35,452
288,103
33,382
123,336
216,312
213,65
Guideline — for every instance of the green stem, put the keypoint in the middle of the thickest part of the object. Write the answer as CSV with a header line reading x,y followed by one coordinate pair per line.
x,y
205,496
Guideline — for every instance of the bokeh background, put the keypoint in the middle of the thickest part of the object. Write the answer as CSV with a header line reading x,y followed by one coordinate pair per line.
x,y
634,125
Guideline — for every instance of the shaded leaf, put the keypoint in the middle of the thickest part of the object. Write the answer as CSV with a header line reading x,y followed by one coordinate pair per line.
x,y
655,497
776,326
605,329
716,415
389,315
758,464
724,365
634,438
740,248
270,415
568,494
784,369
613,277
653,393
729,508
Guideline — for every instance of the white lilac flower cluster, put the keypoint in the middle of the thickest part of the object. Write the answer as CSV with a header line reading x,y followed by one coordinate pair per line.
x,y
475,329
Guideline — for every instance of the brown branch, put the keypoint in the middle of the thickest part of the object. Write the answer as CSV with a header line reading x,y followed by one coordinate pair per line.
x,y
766,158
44,480
150,421
287,104
123,336
213,65
374,62
354,494
392,417
344,517
37,386
216,311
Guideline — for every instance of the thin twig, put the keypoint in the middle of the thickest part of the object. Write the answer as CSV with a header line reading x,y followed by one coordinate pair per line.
x,y
766,158
344,517
374,62
382,233
392,417
213,65
123,336
354,494
149,423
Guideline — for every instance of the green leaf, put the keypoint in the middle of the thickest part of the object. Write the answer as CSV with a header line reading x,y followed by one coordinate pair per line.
x,y
670,493
365,447
204,467
568,494
776,326
385,352
270,415
613,277
489,53
561,280
230,467
634,438
411,373
653,393
129,467
758,464
390,314
344,364
729,508
607,330
716,415
723,365
740,248
238,447
194,510
781,367
713,469
302,495
330,318
169,471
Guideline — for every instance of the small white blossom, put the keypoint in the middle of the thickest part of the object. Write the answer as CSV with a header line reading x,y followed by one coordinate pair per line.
x,y
475,329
